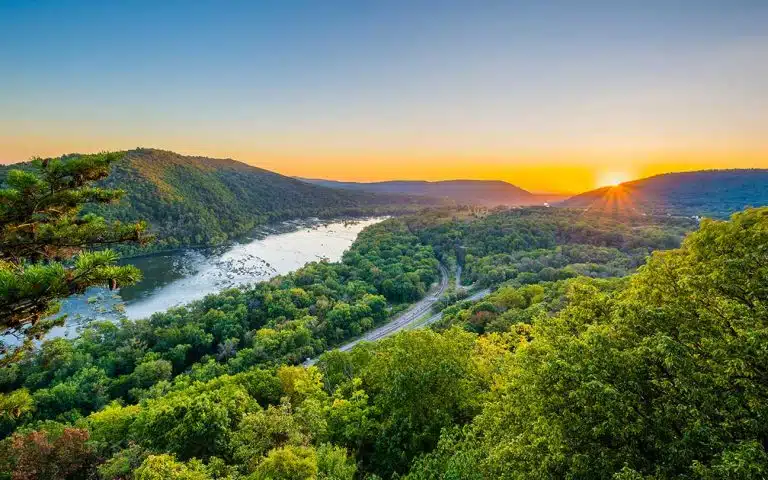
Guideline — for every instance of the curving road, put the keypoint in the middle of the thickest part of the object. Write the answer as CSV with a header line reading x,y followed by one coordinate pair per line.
x,y
403,320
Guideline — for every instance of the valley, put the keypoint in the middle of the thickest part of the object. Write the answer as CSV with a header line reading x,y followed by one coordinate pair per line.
x,y
194,201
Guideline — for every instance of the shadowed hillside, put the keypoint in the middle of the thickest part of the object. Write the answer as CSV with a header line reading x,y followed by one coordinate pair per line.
x,y
482,192
711,193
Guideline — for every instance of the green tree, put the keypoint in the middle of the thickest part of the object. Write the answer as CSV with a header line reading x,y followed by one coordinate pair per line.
x,y
421,382
194,422
166,467
262,431
44,241
288,463
334,464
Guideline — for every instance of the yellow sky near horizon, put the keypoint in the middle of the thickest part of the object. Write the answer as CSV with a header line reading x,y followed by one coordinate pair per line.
x,y
545,172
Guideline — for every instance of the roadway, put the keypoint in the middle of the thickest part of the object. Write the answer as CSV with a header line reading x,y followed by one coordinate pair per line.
x,y
475,296
413,313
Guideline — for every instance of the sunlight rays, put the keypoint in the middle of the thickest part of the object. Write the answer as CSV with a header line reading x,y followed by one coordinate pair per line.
x,y
618,199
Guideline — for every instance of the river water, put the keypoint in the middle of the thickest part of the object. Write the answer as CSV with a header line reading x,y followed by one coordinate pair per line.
x,y
179,277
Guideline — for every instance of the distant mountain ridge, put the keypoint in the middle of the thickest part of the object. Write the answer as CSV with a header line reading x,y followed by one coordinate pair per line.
x,y
193,200
484,192
711,193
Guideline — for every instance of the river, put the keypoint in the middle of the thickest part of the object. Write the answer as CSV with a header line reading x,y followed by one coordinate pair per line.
x,y
179,277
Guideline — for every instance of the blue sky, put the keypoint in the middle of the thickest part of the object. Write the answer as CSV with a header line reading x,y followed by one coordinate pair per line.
x,y
363,89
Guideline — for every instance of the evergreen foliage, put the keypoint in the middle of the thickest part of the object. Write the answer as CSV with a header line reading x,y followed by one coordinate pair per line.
x,y
44,242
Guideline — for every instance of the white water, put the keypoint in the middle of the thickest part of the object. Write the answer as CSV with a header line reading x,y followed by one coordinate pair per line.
x,y
251,262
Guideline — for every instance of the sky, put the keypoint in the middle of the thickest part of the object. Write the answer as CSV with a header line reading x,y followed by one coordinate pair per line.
x,y
554,96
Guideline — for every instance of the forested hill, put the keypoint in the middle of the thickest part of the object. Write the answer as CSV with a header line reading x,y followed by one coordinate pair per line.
x,y
711,193
483,192
197,200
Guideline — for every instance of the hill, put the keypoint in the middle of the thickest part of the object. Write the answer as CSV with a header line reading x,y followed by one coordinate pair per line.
x,y
711,193
483,192
191,200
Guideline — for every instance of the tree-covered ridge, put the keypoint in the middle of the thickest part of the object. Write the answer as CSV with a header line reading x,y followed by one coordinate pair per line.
x,y
530,245
710,193
203,201
198,200
659,375
468,192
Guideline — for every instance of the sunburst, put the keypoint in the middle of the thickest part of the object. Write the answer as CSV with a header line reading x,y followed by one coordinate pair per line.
x,y
617,196
612,179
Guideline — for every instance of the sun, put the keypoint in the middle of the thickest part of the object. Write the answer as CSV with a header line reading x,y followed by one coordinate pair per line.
x,y
612,179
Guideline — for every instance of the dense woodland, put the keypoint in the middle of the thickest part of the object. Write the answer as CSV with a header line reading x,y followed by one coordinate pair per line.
x,y
538,244
661,375
590,359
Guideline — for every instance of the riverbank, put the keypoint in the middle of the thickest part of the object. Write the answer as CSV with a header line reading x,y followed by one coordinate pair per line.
x,y
260,231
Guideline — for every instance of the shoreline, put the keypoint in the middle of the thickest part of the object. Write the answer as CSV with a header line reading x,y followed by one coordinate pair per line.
x,y
297,224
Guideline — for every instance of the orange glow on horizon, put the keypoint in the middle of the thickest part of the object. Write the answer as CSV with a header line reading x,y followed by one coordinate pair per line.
x,y
612,179
557,172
